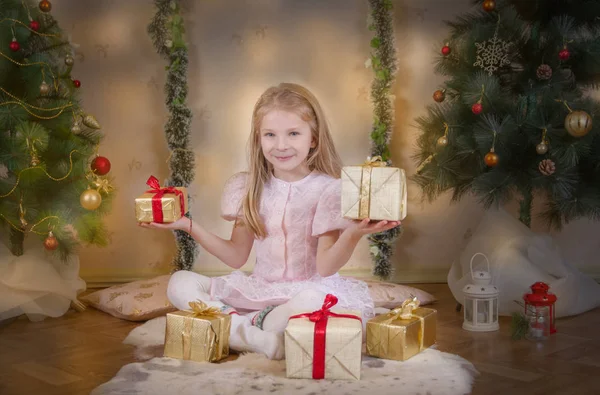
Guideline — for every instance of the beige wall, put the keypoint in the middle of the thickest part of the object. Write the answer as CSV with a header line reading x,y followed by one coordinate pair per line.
x,y
237,49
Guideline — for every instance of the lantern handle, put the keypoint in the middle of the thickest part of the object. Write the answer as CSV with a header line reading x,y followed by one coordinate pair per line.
x,y
486,259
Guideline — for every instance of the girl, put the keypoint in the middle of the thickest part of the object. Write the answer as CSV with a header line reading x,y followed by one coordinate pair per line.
x,y
288,207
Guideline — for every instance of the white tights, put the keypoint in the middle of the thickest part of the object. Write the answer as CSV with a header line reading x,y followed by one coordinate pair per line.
x,y
186,286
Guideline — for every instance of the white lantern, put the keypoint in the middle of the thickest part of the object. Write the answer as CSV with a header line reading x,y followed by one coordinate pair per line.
x,y
480,301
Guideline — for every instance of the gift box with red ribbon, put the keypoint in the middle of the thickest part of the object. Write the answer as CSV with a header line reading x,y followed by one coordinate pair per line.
x,y
324,344
161,204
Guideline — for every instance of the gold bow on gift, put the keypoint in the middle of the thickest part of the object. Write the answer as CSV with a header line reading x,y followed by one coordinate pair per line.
x,y
375,161
405,312
199,309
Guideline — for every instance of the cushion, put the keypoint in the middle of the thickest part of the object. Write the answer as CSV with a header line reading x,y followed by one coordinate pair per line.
x,y
389,295
136,301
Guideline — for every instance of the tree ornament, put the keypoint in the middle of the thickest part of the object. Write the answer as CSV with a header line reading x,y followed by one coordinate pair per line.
x,y
75,129
168,43
542,147
34,25
578,123
491,158
91,122
100,165
547,167
489,5
69,60
564,53
76,83
45,6
544,72
439,95
443,140
22,213
90,199
14,45
51,243
44,88
477,108
446,50
35,160
103,184
493,53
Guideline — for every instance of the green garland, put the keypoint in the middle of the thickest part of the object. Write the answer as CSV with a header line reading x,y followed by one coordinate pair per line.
x,y
383,62
167,33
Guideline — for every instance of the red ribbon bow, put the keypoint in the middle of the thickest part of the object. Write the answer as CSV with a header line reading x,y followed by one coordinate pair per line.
x,y
157,213
320,317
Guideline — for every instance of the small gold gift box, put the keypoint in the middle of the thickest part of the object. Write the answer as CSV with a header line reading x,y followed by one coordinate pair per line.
x,y
374,191
200,334
403,332
172,203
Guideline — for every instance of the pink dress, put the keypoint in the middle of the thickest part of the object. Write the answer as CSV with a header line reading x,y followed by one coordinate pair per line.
x,y
295,215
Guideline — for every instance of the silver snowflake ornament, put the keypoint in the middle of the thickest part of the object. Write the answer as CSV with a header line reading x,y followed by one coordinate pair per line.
x,y
492,54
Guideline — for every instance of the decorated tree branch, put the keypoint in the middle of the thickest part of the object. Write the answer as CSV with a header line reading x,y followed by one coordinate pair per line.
x,y
53,183
168,35
515,118
383,63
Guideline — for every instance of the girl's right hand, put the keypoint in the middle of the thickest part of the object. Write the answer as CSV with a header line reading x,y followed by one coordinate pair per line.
x,y
182,223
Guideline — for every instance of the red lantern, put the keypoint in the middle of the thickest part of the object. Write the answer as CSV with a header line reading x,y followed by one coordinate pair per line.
x,y
540,297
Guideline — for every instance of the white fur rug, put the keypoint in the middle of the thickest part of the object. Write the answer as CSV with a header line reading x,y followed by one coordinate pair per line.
x,y
431,372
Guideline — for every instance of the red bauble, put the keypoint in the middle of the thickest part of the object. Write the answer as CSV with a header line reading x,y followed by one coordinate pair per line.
x,y
14,45
439,95
477,108
34,25
51,243
564,54
491,159
446,50
100,165
76,83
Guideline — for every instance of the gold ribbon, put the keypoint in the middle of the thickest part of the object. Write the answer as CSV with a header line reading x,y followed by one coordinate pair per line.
x,y
405,312
199,309
365,184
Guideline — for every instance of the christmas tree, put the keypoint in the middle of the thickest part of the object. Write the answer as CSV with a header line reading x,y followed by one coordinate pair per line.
x,y
515,117
53,183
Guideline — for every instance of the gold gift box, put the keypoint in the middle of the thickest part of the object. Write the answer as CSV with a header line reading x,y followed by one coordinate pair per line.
x,y
391,337
343,348
200,335
171,206
374,191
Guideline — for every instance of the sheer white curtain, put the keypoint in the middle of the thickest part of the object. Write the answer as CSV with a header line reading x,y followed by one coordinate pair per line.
x,y
36,284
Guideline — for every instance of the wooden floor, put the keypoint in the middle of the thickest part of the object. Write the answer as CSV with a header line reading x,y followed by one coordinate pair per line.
x,y
79,351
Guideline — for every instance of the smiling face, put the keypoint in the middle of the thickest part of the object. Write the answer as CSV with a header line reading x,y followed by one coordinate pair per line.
x,y
286,141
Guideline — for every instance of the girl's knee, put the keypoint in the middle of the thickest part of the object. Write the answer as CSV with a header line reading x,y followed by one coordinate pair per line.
x,y
183,283
310,299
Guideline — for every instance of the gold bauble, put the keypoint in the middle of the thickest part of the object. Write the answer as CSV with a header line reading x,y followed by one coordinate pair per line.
x,y
491,159
90,199
578,123
69,60
91,122
34,160
44,88
75,129
541,148
442,141
45,6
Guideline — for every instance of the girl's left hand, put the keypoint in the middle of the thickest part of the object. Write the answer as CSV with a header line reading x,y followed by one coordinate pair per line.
x,y
366,227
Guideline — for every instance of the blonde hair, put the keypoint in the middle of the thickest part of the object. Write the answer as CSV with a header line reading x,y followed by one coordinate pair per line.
x,y
322,158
